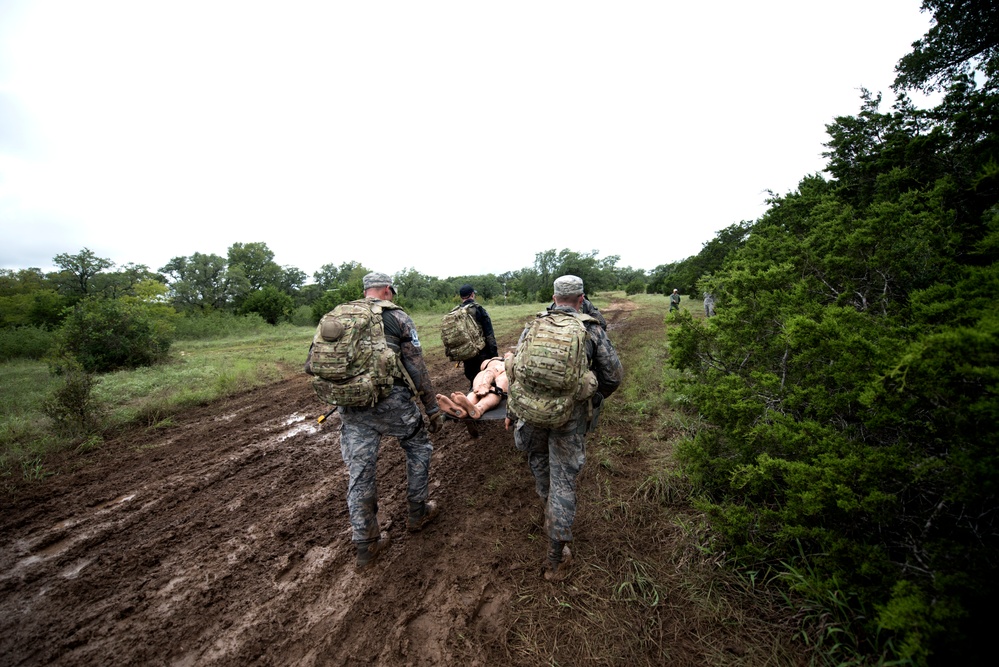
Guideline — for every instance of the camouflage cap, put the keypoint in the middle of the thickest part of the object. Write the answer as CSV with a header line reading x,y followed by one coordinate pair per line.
x,y
568,286
375,279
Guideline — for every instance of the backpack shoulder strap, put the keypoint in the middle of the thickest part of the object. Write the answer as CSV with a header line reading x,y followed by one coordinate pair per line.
x,y
383,305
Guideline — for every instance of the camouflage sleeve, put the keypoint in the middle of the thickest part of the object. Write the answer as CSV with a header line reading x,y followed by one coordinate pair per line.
x,y
606,363
308,362
599,317
411,355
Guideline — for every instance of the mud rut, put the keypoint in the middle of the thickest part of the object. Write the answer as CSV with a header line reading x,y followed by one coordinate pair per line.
x,y
223,539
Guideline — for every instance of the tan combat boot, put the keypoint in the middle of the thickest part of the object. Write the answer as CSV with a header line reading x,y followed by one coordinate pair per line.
x,y
421,514
367,552
559,561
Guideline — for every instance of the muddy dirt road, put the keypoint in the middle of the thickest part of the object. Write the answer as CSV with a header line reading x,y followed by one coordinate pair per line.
x,y
223,539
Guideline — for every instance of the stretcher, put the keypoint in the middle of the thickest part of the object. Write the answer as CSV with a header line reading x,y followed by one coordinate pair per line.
x,y
499,412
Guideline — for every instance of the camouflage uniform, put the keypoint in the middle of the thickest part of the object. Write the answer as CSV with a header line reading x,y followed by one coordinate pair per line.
x,y
398,416
361,431
556,456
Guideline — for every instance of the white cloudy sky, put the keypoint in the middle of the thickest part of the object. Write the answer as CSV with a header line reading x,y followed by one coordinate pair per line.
x,y
457,137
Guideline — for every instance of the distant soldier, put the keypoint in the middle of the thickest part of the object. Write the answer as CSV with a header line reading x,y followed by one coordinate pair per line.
x,y
674,301
709,304
473,366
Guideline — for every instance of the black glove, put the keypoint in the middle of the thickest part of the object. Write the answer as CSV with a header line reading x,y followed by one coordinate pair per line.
x,y
436,421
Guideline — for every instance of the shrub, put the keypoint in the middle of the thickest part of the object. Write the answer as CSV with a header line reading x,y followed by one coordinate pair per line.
x,y
105,335
270,303
24,343
72,406
302,317
634,287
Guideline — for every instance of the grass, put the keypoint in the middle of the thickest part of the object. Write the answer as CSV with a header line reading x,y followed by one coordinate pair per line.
x,y
197,372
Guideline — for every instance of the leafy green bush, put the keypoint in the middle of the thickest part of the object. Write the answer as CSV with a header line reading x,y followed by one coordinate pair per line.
x,y
302,317
270,303
635,287
852,388
105,335
24,343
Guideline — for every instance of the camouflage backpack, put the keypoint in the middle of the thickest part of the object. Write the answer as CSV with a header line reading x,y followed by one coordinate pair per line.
x,y
461,334
550,372
352,363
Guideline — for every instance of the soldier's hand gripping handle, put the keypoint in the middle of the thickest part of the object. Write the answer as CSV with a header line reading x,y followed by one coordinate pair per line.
x,y
436,421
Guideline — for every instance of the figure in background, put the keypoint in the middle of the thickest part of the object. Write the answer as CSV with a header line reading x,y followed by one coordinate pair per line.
x,y
674,301
709,304
473,365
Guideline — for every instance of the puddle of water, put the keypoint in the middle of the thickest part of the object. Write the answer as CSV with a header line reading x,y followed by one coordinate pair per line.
x,y
55,547
301,428
117,501
72,572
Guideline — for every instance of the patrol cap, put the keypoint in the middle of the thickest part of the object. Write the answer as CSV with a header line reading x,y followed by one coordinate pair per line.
x,y
466,291
568,286
375,279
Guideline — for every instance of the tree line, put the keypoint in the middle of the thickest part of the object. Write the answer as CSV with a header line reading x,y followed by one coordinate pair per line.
x,y
851,374
247,282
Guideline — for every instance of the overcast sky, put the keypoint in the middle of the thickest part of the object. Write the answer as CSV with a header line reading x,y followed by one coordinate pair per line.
x,y
454,138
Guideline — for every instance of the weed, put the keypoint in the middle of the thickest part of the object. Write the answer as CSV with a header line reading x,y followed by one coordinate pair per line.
x,y
665,486
640,586
90,443
32,469
73,406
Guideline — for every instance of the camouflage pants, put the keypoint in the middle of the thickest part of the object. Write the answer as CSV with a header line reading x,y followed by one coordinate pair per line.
x,y
361,431
556,457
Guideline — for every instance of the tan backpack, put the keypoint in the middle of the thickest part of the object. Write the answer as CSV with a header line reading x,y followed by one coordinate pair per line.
x,y
550,371
461,334
352,363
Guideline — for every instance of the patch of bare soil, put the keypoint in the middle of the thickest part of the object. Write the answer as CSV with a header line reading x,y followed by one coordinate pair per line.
x,y
223,539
